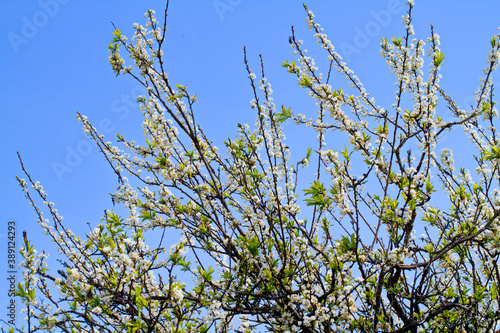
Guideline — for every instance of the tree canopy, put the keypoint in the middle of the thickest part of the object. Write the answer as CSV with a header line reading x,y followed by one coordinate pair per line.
x,y
262,249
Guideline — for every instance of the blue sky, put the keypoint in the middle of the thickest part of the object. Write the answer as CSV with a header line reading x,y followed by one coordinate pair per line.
x,y
54,64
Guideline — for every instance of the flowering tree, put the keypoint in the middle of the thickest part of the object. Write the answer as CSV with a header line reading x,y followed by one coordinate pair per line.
x,y
264,250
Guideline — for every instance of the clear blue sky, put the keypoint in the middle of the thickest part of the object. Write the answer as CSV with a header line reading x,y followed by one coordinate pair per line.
x,y
54,63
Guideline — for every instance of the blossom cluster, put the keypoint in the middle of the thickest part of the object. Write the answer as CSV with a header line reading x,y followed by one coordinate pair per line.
x,y
262,248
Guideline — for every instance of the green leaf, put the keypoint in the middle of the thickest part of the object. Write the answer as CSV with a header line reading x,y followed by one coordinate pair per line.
x,y
309,152
346,153
118,36
438,59
283,115
382,129
493,154
317,195
254,173
20,291
206,274
429,187
347,244
253,246
147,215
396,41
480,294
190,154
151,143
305,82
